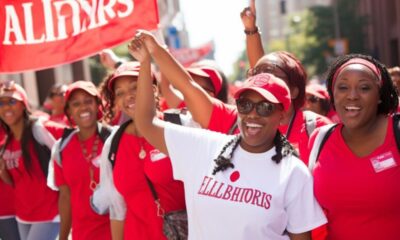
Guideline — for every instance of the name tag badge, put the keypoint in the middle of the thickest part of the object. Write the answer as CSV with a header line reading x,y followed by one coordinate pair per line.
x,y
156,155
383,162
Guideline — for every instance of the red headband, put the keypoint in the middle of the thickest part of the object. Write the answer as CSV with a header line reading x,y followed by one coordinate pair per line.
x,y
361,61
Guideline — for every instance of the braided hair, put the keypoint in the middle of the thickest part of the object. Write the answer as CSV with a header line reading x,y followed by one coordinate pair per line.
x,y
282,145
387,92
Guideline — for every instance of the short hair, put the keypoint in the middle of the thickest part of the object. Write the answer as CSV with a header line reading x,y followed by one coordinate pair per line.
x,y
387,93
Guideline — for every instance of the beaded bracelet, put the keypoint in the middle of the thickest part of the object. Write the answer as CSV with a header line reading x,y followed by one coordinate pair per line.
x,y
252,32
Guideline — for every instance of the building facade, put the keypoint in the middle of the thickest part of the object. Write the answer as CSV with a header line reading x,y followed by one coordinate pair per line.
x,y
383,29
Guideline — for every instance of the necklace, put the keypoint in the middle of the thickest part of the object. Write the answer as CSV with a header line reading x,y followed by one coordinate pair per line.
x,y
89,157
142,152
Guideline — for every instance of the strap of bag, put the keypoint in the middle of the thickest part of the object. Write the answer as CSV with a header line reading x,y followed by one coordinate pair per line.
x,y
320,139
173,118
233,127
160,210
115,142
396,129
311,121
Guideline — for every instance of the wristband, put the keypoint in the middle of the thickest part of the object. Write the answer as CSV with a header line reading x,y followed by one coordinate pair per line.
x,y
252,32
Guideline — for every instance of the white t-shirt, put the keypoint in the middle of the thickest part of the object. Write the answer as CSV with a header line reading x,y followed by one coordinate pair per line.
x,y
258,199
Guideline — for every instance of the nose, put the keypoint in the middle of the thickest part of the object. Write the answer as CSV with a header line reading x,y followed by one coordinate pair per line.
x,y
353,93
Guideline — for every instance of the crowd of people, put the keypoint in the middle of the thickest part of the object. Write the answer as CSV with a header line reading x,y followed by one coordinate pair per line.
x,y
281,158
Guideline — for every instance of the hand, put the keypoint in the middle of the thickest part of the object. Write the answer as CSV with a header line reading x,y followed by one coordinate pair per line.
x,y
148,39
108,58
138,50
248,16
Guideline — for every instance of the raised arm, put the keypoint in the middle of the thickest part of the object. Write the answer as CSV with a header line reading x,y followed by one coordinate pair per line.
x,y
145,111
196,99
254,46
172,96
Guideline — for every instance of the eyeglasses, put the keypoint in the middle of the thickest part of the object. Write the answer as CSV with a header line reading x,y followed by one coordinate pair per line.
x,y
267,68
57,94
312,99
263,109
10,102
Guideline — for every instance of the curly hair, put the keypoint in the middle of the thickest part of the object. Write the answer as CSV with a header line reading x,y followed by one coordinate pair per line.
x,y
282,145
387,93
108,99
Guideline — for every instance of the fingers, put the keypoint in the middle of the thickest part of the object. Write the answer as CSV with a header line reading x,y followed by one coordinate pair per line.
x,y
253,7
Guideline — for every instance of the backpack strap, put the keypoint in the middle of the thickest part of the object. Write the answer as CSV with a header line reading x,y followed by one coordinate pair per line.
x,y
104,131
233,127
396,129
320,139
310,121
115,142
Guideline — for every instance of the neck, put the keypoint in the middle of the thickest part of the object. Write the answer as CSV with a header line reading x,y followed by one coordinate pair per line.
x,y
131,129
85,133
288,116
57,111
17,129
367,129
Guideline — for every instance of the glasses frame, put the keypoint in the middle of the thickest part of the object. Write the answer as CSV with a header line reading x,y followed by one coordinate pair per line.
x,y
260,106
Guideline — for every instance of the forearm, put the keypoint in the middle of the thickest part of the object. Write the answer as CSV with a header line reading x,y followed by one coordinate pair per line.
x,y
171,96
254,48
300,236
64,207
117,229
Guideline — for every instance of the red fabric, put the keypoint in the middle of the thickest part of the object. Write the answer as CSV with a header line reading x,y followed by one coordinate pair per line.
x,y
164,105
60,118
359,203
74,173
7,206
87,27
222,117
129,172
298,135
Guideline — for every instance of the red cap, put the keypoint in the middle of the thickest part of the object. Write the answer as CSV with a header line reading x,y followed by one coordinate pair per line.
x,y
273,89
125,69
318,90
86,86
210,73
14,90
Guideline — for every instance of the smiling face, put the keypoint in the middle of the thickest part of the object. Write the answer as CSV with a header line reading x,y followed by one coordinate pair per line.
x,y
83,109
125,94
356,96
11,111
257,131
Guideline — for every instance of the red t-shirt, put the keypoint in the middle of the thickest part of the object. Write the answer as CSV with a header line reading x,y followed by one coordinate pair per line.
x,y
74,172
360,202
7,207
223,117
297,133
129,173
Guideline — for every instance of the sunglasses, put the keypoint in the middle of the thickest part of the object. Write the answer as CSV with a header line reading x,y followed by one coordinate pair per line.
x,y
263,109
312,99
267,68
10,102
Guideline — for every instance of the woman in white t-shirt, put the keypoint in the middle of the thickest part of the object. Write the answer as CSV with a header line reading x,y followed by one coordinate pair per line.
x,y
248,186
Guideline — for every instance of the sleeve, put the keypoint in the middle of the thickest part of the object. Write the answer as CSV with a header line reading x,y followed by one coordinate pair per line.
x,y
188,148
304,212
106,197
222,117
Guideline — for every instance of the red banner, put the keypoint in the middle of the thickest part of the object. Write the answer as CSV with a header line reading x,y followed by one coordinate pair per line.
x,y
39,34
187,56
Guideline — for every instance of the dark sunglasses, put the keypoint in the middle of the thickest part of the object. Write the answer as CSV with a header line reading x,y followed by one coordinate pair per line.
x,y
10,102
267,68
263,109
312,99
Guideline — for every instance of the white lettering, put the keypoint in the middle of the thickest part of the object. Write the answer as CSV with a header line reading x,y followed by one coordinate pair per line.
x,y
48,19
105,9
12,26
129,8
29,33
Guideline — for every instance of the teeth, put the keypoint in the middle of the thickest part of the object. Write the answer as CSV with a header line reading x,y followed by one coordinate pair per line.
x,y
131,105
352,108
7,114
84,115
253,125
